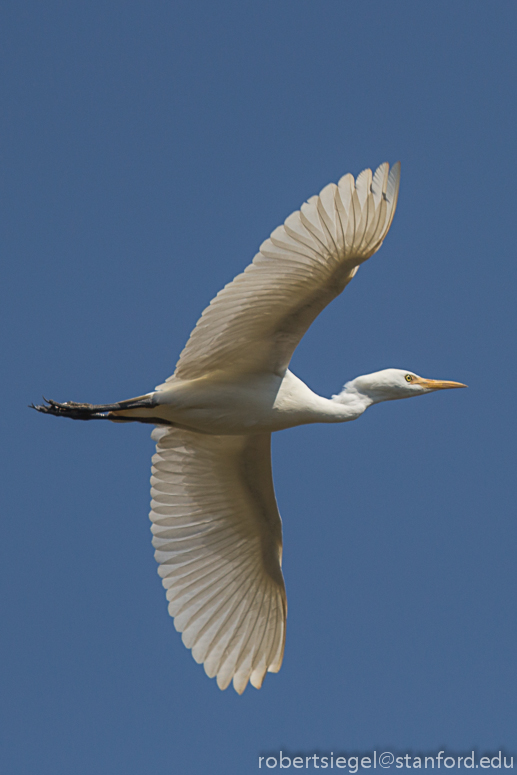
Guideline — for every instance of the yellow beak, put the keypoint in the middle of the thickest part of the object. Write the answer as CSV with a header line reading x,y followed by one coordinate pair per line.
x,y
437,384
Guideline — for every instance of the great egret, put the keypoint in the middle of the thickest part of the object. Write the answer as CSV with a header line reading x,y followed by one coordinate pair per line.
x,y
217,530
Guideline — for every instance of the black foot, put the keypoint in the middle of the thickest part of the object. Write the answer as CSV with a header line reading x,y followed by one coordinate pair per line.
x,y
72,410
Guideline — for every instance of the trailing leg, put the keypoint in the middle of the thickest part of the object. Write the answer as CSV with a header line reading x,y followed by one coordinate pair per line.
x,y
77,411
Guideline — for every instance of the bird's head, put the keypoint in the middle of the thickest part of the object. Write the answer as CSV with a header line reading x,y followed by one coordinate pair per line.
x,y
390,384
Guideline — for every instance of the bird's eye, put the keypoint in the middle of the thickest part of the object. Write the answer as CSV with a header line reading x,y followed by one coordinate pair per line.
x,y
409,378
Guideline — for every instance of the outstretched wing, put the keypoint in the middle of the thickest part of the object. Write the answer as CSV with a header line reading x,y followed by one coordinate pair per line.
x,y
256,321
218,539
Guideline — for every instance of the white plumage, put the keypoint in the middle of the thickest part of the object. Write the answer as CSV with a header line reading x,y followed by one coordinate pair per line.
x,y
256,321
218,540
215,522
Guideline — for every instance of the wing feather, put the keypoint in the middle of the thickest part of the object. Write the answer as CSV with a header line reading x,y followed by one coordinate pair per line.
x,y
256,321
218,540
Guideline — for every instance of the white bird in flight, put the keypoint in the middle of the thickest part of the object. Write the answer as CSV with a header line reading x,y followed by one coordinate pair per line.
x,y
217,530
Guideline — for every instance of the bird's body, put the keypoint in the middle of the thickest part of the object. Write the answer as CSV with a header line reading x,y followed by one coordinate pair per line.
x,y
217,530
247,404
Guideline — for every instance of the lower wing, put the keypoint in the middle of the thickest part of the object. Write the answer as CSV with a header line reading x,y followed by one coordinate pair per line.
x,y
218,540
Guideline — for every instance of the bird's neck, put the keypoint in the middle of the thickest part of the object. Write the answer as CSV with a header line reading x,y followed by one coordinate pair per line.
x,y
350,404
296,404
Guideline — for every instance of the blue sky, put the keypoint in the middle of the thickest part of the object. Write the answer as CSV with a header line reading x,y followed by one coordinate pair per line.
x,y
147,150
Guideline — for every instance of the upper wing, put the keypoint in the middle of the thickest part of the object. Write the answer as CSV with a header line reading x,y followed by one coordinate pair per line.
x,y
256,321
218,539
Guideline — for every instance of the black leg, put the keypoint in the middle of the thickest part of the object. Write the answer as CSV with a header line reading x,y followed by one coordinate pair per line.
x,y
76,411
